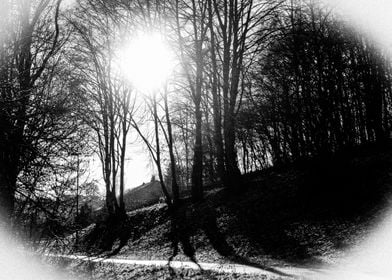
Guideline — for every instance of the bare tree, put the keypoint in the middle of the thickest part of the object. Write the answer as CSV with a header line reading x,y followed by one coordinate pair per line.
x,y
30,42
108,99
191,39
321,87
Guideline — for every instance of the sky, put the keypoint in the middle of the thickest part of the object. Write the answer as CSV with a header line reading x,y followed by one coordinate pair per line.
x,y
371,16
138,166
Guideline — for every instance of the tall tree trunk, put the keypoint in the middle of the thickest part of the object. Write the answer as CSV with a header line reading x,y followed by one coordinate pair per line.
x,y
175,188
219,150
122,170
233,173
197,171
107,164
199,37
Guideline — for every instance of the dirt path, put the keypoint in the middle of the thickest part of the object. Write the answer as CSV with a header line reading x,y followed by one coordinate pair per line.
x,y
267,272
216,267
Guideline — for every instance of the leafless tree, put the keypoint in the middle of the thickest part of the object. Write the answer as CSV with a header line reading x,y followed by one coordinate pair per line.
x,y
31,38
108,99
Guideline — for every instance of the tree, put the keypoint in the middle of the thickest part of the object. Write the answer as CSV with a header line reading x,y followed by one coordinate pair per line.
x,y
29,114
237,30
108,100
191,40
322,87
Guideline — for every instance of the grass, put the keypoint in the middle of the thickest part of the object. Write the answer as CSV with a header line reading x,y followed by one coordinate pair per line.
x,y
304,214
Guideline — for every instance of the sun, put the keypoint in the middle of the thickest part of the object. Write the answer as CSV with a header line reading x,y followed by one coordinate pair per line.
x,y
147,62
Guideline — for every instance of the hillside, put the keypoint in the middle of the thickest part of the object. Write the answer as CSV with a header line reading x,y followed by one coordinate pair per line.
x,y
143,195
308,213
151,193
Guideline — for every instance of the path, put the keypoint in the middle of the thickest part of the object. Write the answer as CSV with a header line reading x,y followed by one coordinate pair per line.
x,y
284,272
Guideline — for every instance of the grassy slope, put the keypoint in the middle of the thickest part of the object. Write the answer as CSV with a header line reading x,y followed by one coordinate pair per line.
x,y
146,194
308,213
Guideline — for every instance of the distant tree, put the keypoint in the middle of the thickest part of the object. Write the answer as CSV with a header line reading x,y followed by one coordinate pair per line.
x,y
322,87
49,208
237,31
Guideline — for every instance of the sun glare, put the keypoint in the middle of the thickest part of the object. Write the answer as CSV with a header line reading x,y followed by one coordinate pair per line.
x,y
147,62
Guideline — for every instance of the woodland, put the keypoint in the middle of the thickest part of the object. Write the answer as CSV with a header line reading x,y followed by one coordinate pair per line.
x,y
258,86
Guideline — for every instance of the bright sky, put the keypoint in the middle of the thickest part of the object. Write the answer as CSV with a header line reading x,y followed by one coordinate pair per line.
x,y
372,16
138,167
147,62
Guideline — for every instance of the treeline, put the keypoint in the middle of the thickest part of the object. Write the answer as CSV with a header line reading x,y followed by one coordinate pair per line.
x,y
258,83
321,87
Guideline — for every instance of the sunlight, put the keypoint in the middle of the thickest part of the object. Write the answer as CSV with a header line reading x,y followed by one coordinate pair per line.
x,y
371,17
147,62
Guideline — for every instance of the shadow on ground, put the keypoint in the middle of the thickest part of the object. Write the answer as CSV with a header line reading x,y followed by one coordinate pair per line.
x,y
188,219
299,214
305,213
302,214
108,237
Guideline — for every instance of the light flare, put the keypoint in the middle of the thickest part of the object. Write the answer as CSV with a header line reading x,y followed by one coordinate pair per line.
x,y
147,62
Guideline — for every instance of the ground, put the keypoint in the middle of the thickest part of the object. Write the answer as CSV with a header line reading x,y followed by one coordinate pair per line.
x,y
304,214
123,272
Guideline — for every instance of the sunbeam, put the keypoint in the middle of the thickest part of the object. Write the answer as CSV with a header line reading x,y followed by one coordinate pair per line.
x,y
147,61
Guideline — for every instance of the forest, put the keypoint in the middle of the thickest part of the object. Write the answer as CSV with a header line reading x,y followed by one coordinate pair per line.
x,y
254,86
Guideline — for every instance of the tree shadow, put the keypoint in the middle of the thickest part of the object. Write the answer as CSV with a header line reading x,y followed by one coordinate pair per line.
x,y
203,216
278,214
219,242
306,213
107,237
180,233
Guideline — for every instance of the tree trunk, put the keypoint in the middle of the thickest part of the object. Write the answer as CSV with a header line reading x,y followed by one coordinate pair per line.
x,y
175,189
7,195
197,171
233,174
122,172
216,100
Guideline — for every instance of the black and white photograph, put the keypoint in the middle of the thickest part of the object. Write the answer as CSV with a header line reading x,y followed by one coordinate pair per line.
x,y
195,139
